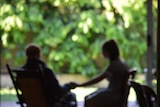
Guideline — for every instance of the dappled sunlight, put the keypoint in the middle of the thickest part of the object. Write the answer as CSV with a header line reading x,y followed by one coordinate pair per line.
x,y
12,21
75,37
74,31
7,94
4,39
5,91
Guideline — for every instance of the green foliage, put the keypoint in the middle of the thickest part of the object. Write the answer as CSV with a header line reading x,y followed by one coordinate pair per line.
x,y
71,32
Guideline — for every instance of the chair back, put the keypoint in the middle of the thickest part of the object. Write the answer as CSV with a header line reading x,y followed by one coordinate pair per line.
x,y
131,74
150,96
14,81
32,85
140,94
126,87
146,97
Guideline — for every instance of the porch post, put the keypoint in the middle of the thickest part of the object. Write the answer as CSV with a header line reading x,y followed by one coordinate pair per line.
x,y
149,43
158,56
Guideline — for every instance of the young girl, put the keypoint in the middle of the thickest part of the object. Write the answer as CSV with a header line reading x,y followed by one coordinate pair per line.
x,y
115,74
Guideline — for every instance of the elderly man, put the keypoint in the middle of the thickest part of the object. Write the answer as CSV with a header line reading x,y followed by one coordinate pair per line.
x,y
55,90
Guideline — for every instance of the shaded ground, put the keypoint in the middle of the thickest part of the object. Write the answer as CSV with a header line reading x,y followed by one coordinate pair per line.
x,y
10,94
80,104
8,97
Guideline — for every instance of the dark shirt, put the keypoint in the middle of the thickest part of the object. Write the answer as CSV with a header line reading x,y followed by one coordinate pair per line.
x,y
53,87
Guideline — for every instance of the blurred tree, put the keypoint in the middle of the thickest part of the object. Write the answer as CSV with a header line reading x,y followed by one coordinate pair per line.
x,y
71,32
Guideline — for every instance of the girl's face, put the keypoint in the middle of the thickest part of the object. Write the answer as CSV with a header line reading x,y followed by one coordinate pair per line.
x,y
105,54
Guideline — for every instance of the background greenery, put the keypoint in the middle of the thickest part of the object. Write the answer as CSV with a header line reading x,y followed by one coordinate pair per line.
x,y
70,32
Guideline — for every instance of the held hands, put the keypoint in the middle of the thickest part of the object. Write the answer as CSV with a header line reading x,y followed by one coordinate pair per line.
x,y
73,85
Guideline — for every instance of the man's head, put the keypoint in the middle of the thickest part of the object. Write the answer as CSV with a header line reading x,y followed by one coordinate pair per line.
x,y
33,51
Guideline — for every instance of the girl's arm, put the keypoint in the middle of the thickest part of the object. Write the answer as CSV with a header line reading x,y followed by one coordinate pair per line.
x,y
94,80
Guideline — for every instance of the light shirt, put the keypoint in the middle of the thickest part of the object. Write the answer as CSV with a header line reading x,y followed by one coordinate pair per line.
x,y
117,71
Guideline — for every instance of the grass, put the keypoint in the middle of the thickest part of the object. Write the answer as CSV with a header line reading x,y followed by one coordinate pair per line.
x,y
8,94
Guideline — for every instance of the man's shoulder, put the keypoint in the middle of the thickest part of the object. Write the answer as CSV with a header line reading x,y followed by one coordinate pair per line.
x,y
47,70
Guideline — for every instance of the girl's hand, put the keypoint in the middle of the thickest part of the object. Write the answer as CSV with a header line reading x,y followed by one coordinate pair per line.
x,y
73,85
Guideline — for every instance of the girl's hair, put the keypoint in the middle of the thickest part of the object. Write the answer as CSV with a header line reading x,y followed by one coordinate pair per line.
x,y
112,48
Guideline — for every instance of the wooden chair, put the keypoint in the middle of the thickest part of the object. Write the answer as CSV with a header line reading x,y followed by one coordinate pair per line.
x,y
18,91
126,88
150,96
32,85
146,97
